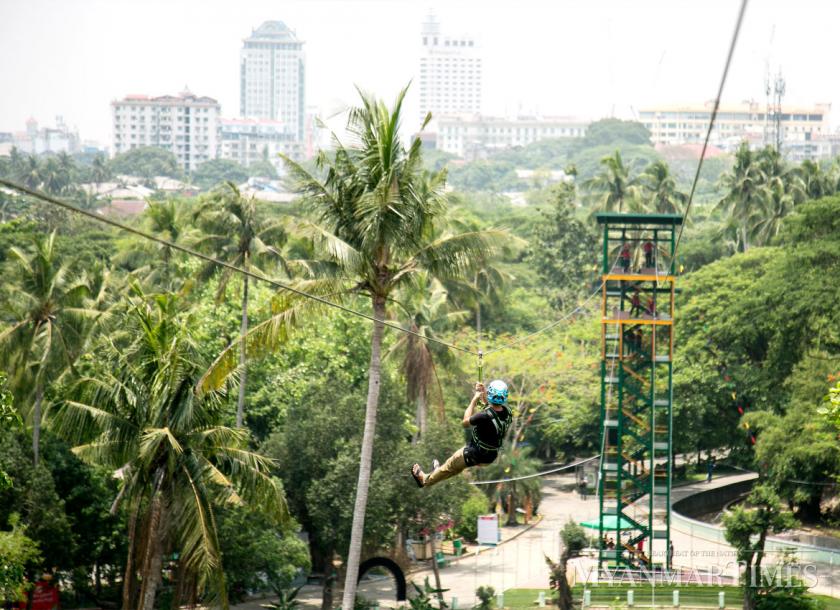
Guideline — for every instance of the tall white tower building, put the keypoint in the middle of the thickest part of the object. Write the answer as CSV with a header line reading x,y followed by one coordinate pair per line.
x,y
272,77
450,72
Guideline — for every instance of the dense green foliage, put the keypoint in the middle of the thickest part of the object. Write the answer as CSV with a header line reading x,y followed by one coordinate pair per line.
x,y
758,330
146,162
100,329
17,550
216,171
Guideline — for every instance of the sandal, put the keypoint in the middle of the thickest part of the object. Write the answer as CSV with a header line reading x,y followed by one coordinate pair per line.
x,y
417,474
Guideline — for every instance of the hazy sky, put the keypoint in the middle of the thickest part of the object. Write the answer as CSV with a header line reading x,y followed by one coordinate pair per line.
x,y
585,58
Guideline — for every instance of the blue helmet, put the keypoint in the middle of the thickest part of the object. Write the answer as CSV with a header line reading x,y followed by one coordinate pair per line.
x,y
497,392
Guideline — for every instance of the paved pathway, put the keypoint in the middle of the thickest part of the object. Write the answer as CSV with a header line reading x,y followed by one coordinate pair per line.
x,y
520,562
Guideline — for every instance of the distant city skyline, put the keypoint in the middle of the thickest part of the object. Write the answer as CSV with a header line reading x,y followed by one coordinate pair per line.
x,y
72,59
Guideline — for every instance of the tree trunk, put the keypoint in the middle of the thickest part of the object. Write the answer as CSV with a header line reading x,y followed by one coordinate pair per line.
x,y
511,510
36,420
153,555
560,583
128,579
436,570
151,578
240,406
564,592
358,527
329,581
421,414
744,237
761,540
810,511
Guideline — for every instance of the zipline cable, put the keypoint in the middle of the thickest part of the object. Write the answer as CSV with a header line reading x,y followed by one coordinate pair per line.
x,y
732,44
277,284
568,315
221,263
536,474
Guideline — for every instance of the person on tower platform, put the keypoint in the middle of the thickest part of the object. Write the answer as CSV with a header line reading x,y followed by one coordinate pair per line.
x,y
635,303
649,249
625,257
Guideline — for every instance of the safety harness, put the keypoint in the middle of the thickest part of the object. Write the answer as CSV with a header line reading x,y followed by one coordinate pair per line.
x,y
501,430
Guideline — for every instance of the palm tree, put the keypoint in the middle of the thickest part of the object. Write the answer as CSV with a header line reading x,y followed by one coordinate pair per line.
x,y
52,315
17,163
67,166
746,192
99,170
612,189
139,417
662,195
773,166
234,232
768,221
30,172
513,463
54,176
428,311
376,214
166,219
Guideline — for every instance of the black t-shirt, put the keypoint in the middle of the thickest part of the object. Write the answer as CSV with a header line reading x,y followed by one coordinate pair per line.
x,y
486,430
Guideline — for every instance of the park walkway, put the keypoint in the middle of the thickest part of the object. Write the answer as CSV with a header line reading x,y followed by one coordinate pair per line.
x,y
519,561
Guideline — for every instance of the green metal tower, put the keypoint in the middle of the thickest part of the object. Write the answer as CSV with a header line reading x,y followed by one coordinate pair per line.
x,y
637,347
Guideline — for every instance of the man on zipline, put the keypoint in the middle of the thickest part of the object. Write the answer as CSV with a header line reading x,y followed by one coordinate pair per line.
x,y
489,427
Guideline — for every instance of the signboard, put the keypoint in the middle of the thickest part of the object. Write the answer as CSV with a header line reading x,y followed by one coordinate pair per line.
x,y
488,529
44,597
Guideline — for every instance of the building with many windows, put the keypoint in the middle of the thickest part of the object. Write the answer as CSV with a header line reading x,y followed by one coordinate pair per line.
x,y
450,72
272,71
475,136
687,124
186,124
247,141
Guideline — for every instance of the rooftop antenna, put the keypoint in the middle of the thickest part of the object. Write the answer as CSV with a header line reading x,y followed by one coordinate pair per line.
x,y
768,89
779,88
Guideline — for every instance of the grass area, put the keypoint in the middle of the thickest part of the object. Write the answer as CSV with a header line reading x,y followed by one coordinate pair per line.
x,y
831,603
616,596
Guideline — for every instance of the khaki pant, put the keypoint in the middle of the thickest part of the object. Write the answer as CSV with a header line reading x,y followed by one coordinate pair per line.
x,y
453,466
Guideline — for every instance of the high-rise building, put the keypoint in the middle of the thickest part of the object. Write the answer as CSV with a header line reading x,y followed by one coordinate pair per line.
x,y
272,72
450,72
186,124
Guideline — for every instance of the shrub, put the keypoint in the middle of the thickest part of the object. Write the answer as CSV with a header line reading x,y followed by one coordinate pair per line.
x,y
474,506
486,598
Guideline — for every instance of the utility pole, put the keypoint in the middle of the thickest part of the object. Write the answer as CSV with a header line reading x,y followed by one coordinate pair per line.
x,y
778,94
